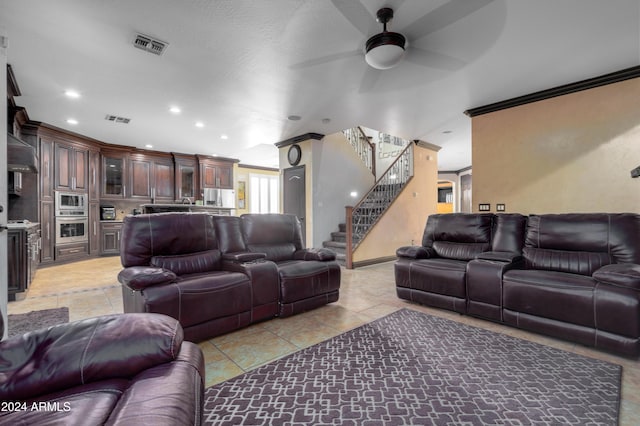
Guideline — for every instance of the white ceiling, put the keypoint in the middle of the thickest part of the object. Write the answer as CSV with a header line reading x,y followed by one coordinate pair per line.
x,y
243,66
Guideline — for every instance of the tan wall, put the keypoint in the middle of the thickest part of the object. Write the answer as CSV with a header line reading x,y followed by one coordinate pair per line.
x,y
403,224
572,153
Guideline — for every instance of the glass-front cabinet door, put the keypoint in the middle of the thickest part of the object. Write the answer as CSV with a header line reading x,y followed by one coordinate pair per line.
x,y
187,180
113,176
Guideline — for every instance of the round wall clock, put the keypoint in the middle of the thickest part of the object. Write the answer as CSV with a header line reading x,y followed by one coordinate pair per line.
x,y
294,155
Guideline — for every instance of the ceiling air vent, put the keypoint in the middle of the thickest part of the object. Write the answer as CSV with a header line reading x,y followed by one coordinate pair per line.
x,y
117,119
149,44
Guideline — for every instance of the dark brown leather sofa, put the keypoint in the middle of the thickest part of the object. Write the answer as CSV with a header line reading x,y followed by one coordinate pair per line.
x,y
571,276
118,370
216,274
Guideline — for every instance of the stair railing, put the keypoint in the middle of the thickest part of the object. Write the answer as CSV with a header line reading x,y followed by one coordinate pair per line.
x,y
361,218
362,146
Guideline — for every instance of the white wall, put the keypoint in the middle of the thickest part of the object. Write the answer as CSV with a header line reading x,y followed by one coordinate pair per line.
x,y
337,171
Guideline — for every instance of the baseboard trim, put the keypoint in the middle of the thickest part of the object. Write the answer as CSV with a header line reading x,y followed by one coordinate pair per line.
x,y
369,262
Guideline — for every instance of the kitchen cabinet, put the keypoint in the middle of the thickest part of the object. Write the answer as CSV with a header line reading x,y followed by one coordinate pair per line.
x,y
47,232
215,173
110,236
94,175
71,167
23,248
113,175
151,178
185,176
46,170
94,228
71,251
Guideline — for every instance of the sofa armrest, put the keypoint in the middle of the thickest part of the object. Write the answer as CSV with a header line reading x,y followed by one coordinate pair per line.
x,y
243,257
86,351
321,254
140,277
415,252
620,274
500,256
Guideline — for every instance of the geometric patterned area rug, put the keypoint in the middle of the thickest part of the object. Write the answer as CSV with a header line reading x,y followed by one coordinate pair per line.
x,y
410,368
34,320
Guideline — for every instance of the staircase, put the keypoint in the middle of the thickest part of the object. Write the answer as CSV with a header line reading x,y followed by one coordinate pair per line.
x,y
338,244
361,218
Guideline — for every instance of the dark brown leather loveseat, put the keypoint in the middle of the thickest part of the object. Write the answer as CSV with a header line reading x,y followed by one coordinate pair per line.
x,y
200,269
571,276
118,370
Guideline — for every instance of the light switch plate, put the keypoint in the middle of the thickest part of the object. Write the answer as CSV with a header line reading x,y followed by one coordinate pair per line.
x,y
500,207
484,207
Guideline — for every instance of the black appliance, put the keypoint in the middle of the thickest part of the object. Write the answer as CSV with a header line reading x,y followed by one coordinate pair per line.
x,y
107,212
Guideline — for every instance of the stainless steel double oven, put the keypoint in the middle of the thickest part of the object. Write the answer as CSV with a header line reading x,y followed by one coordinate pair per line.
x,y
72,217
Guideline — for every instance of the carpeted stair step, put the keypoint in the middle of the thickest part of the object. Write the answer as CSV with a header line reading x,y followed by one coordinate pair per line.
x,y
340,237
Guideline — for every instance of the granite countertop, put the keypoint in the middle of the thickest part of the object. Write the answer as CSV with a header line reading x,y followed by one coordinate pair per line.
x,y
22,225
180,206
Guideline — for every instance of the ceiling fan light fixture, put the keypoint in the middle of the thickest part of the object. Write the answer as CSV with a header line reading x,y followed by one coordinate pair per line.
x,y
385,50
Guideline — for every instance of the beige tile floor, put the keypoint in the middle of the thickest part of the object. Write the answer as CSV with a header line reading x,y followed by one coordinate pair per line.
x,y
90,288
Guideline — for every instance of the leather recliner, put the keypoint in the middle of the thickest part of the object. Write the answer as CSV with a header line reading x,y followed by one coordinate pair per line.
x,y
173,265
116,369
308,278
580,280
435,273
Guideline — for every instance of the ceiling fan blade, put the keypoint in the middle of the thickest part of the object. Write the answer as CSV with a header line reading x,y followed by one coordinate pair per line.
x,y
369,80
325,59
442,16
357,14
431,59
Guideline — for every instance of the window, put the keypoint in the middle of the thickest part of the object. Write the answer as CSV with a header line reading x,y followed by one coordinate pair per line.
x,y
264,193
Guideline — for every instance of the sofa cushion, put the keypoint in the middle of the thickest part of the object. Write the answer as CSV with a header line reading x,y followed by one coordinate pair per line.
x,y
165,234
441,276
198,298
302,279
550,294
459,251
192,263
573,262
458,228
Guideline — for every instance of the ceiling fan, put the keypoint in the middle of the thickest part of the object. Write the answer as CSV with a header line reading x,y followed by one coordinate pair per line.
x,y
385,50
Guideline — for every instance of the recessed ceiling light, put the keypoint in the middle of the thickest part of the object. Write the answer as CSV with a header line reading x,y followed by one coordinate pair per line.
x,y
354,194
175,110
72,121
199,124
294,117
225,137
148,145
72,94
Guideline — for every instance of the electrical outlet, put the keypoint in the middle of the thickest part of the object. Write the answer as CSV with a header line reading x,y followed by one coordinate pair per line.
x,y
500,207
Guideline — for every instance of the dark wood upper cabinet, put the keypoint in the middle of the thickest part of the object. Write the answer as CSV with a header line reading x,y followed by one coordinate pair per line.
x,y
72,165
186,173
215,173
113,175
151,178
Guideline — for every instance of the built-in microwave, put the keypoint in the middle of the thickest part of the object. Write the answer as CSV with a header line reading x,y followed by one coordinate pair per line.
x,y
71,204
